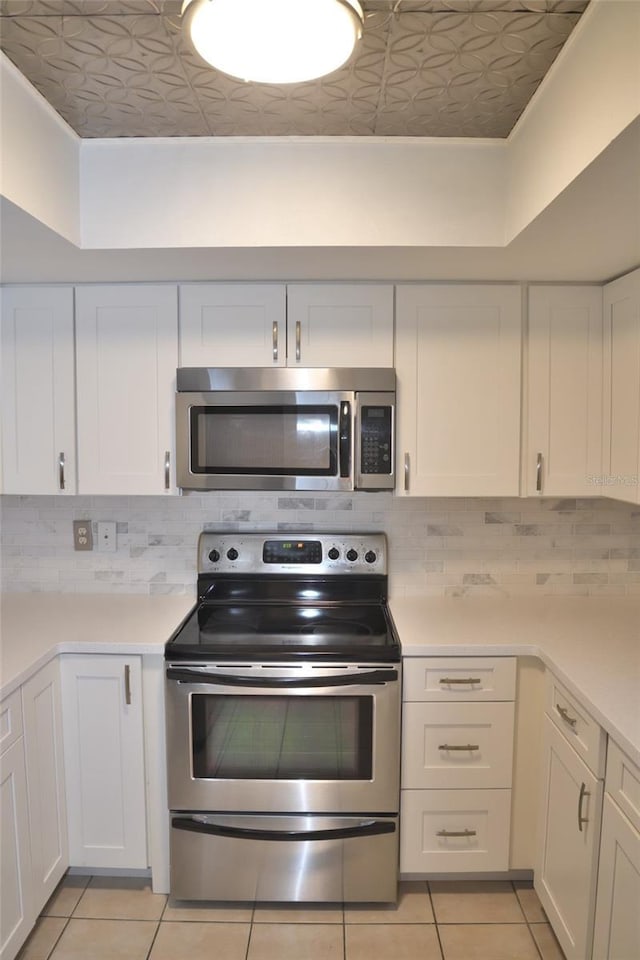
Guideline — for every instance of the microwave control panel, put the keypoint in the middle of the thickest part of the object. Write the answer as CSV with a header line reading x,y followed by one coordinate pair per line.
x,y
375,439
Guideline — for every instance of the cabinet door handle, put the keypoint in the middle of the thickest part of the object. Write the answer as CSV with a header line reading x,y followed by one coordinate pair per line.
x,y
298,340
274,340
564,713
583,793
127,684
457,833
455,680
167,469
61,464
539,473
407,471
462,746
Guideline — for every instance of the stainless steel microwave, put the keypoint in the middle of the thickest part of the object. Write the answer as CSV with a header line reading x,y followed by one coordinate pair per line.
x,y
285,428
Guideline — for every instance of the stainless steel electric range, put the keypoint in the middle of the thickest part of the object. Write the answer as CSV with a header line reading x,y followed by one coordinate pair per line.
x,y
283,690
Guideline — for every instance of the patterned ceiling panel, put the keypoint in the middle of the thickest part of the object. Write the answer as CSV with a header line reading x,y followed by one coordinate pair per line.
x,y
424,68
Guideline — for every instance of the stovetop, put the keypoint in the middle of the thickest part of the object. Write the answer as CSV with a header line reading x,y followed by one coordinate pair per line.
x,y
266,597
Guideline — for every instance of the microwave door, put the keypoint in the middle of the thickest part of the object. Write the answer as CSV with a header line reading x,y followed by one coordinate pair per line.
x,y
286,441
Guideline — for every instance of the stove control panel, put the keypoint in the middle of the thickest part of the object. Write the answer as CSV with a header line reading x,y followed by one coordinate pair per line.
x,y
327,554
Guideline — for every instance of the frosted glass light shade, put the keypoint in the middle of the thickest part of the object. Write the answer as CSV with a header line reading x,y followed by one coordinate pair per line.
x,y
274,41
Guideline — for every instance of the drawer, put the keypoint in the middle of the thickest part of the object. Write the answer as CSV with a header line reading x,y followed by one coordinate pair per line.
x,y
10,720
453,745
623,783
459,678
454,831
586,736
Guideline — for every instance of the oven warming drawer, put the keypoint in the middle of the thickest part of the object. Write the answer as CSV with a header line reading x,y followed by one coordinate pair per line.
x,y
272,858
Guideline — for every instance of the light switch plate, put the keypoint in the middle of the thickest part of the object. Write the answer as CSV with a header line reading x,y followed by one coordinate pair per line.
x,y
106,537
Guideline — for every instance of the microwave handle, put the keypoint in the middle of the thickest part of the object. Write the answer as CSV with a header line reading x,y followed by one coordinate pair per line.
x,y
344,433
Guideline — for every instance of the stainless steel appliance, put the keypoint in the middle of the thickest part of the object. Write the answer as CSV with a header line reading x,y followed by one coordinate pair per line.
x,y
285,428
283,722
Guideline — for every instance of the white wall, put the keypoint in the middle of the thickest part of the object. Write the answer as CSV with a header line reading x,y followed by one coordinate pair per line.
x,y
590,95
40,162
235,192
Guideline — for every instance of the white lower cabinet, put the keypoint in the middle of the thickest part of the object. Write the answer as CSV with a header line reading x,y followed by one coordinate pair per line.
x,y
568,838
17,904
457,759
617,923
104,761
42,712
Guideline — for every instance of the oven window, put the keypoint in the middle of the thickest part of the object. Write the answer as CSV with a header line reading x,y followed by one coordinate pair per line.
x,y
265,440
282,738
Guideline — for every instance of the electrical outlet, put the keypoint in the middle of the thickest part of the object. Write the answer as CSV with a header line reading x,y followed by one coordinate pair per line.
x,y
107,537
82,535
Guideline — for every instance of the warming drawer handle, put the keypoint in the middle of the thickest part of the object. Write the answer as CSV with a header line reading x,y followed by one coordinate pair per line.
x,y
367,828
370,678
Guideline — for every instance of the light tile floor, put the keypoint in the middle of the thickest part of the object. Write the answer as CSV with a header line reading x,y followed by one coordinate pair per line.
x,y
102,918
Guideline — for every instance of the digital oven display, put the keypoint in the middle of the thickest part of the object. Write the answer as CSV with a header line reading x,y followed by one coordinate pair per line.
x,y
292,551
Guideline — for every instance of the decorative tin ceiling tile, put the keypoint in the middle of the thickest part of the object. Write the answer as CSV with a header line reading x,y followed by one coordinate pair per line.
x,y
445,68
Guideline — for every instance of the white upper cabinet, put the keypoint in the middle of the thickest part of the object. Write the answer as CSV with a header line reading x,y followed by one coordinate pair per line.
x,y
621,463
563,453
273,325
127,353
38,391
340,325
233,325
458,366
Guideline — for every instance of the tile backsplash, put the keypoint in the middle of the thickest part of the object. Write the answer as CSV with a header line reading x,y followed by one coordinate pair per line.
x,y
448,547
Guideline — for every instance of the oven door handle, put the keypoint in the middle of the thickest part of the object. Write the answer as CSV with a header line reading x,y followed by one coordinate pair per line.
x,y
370,678
366,828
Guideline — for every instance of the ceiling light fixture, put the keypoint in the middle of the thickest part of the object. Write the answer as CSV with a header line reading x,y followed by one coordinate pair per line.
x,y
274,41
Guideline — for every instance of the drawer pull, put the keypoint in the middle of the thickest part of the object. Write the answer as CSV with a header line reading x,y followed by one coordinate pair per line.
x,y
564,713
457,833
455,746
465,680
583,793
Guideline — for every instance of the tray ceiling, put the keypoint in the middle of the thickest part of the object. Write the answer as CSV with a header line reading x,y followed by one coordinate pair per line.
x,y
424,68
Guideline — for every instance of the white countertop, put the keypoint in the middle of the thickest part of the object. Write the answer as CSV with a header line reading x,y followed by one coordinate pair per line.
x,y
591,644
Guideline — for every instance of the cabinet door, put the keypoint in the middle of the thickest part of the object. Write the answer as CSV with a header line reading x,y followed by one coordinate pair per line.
x,y
340,325
38,391
617,926
41,704
233,325
621,467
564,441
17,910
104,761
127,352
458,366
565,873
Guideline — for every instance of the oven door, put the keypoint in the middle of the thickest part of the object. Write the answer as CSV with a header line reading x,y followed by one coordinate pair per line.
x,y
271,440
294,739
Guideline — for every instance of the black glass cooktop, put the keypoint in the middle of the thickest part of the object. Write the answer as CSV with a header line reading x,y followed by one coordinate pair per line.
x,y
284,630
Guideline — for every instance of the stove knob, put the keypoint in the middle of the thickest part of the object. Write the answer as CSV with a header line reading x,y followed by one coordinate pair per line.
x,y
333,553
370,556
232,553
214,556
352,555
